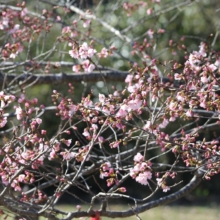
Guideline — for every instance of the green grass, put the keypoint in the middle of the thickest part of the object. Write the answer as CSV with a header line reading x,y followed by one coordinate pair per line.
x,y
165,213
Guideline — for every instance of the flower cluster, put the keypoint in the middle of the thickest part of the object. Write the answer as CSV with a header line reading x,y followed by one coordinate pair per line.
x,y
9,168
21,27
102,131
83,52
106,170
11,50
141,171
5,101
26,107
105,106
162,183
65,108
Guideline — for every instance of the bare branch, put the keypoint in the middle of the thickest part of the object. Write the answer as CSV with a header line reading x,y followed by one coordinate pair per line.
x,y
197,178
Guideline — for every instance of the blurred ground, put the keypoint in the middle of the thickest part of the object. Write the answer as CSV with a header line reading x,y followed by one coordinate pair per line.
x,y
173,213
163,213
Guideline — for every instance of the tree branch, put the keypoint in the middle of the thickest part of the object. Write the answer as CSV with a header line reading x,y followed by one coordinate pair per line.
x,y
197,178
60,78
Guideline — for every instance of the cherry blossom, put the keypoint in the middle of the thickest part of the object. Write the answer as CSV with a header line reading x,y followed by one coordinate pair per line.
x,y
145,126
87,66
67,155
85,51
19,112
76,68
143,178
138,157
86,23
104,53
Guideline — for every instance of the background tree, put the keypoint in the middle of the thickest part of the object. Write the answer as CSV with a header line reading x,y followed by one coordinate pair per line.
x,y
96,94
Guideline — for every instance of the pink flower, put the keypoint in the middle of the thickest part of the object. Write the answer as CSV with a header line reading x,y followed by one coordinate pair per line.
x,y
87,102
16,27
177,76
19,113
56,145
159,181
142,178
114,144
38,120
101,139
73,109
4,23
173,106
149,11
172,118
52,155
94,127
189,113
107,110
43,147
102,98
5,179
103,53
78,207
134,171
134,105
204,79
147,125
144,166
14,49
217,63
6,99
74,53
106,170
21,178
162,184
110,181
194,61
180,97
138,157
150,33
129,78
86,133
12,55
67,142
85,51
16,185
106,166
3,121
203,104
76,68
103,174
164,123
133,88
86,23
24,12
121,113
87,66
122,189
131,105
67,155
203,48
161,31
165,188
21,99
212,67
